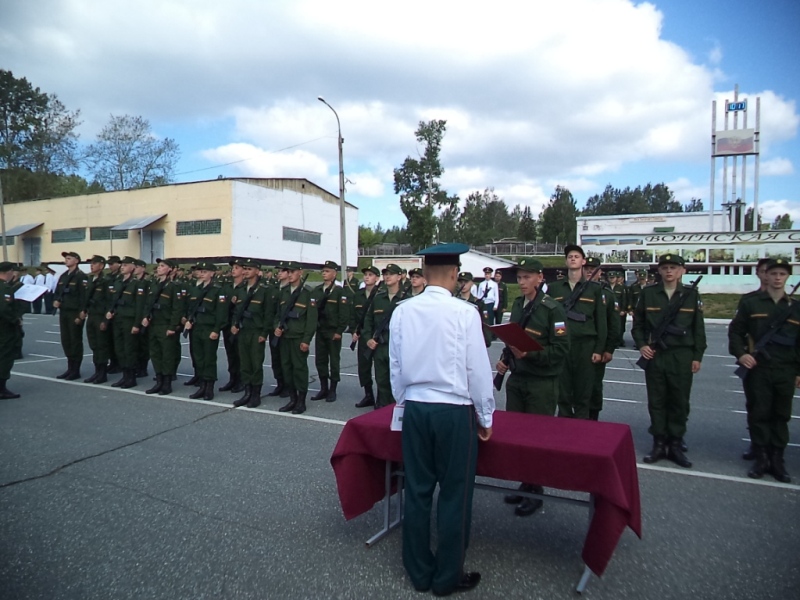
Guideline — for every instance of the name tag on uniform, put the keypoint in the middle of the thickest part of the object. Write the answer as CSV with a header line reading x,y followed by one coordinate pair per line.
x,y
397,418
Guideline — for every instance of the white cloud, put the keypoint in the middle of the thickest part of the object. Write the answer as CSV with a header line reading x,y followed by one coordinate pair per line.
x,y
772,208
252,161
776,167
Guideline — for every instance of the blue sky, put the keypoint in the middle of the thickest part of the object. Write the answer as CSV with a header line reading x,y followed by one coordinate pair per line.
x,y
579,93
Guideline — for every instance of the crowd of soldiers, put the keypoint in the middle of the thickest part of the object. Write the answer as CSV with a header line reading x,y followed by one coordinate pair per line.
x,y
578,320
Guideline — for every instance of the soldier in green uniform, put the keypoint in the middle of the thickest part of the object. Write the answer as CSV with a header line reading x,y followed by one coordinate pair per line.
x,y
773,367
207,315
160,315
230,288
405,283
669,374
10,330
361,303
464,292
333,317
126,298
502,302
613,322
616,281
281,281
417,280
142,341
23,306
70,299
113,263
533,386
295,325
94,313
634,291
376,330
251,325
587,330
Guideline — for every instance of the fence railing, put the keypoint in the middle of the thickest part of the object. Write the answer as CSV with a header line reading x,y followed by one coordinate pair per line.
x,y
502,249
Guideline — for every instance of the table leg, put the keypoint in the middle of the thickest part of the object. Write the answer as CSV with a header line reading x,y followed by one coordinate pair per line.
x,y
587,572
388,523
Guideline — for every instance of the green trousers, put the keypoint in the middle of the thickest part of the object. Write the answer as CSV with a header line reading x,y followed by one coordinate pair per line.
x,y
99,341
327,351
381,360
440,445
71,334
596,400
251,357
126,344
9,340
669,383
577,380
231,352
165,351
771,391
364,364
143,346
294,363
532,395
275,359
204,352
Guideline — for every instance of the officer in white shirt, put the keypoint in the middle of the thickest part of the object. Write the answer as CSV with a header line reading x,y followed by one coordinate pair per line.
x,y
50,280
441,375
38,280
488,294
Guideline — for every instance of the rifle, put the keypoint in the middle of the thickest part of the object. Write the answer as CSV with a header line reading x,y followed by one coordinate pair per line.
x,y
569,304
118,297
90,292
507,356
289,312
384,325
65,287
360,325
666,327
770,336
197,309
155,304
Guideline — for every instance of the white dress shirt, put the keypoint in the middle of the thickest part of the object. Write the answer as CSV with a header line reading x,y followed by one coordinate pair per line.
x,y
493,294
51,282
27,279
39,279
437,353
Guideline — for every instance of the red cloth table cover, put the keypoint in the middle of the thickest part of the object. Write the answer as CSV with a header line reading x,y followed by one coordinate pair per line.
x,y
567,454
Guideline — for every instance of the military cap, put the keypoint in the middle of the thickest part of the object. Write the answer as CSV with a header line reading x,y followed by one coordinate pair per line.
x,y
641,273
6,266
236,262
373,269
779,263
415,271
128,260
113,259
19,268
488,270
404,272
205,266
329,264
139,262
350,269
593,262
574,248
97,259
72,254
392,268
292,265
167,261
529,264
465,276
250,262
443,254
671,259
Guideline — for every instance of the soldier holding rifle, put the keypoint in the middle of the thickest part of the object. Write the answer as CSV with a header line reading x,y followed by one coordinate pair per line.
x,y
362,301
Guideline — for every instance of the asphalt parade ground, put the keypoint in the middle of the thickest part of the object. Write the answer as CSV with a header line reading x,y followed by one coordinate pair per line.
x,y
114,494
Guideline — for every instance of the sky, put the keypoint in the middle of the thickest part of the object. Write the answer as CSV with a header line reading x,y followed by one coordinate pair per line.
x,y
577,93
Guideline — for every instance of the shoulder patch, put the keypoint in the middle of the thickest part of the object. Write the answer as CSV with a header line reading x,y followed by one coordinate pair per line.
x,y
560,328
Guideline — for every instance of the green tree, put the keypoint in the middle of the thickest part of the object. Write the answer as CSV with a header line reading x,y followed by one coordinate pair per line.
x,y
127,155
447,221
694,205
526,229
367,237
558,220
748,220
783,222
417,182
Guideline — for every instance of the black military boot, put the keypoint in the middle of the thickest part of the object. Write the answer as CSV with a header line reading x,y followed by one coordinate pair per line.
x,y
141,370
229,386
300,406
761,465
278,388
193,380
528,506
209,392
659,450
94,375
332,392
131,383
323,391
238,386
102,375
676,455
76,370
114,368
750,453
248,389
778,469
199,392
255,397
289,406
166,386
5,393
514,498
157,387
68,372
121,382
368,399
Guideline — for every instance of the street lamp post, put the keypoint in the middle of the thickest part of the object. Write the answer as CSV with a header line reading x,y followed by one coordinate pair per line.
x,y
342,226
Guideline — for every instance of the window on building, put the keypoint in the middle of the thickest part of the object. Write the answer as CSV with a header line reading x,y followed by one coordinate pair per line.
x,y
62,236
299,235
10,240
207,227
99,234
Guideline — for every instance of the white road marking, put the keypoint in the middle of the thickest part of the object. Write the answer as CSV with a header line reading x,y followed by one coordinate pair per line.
x,y
48,342
718,477
744,412
623,382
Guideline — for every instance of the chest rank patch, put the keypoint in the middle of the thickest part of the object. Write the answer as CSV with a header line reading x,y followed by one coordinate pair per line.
x,y
560,328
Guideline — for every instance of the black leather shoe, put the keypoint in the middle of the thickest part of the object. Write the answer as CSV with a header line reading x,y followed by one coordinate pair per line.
x,y
468,582
514,498
528,506
749,454
658,452
676,455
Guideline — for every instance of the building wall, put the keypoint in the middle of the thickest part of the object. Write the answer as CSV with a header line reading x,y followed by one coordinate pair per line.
x,y
646,224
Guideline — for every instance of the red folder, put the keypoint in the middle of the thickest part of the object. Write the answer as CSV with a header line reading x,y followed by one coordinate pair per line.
x,y
514,335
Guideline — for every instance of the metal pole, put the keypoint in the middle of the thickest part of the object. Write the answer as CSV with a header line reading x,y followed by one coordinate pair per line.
x,y
713,164
733,169
342,224
3,221
758,160
744,176
725,161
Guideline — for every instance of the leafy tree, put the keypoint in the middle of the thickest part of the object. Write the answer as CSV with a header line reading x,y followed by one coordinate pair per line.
x,y
694,205
37,140
783,222
447,221
558,220
127,155
526,229
367,237
648,199
748,221
417,183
